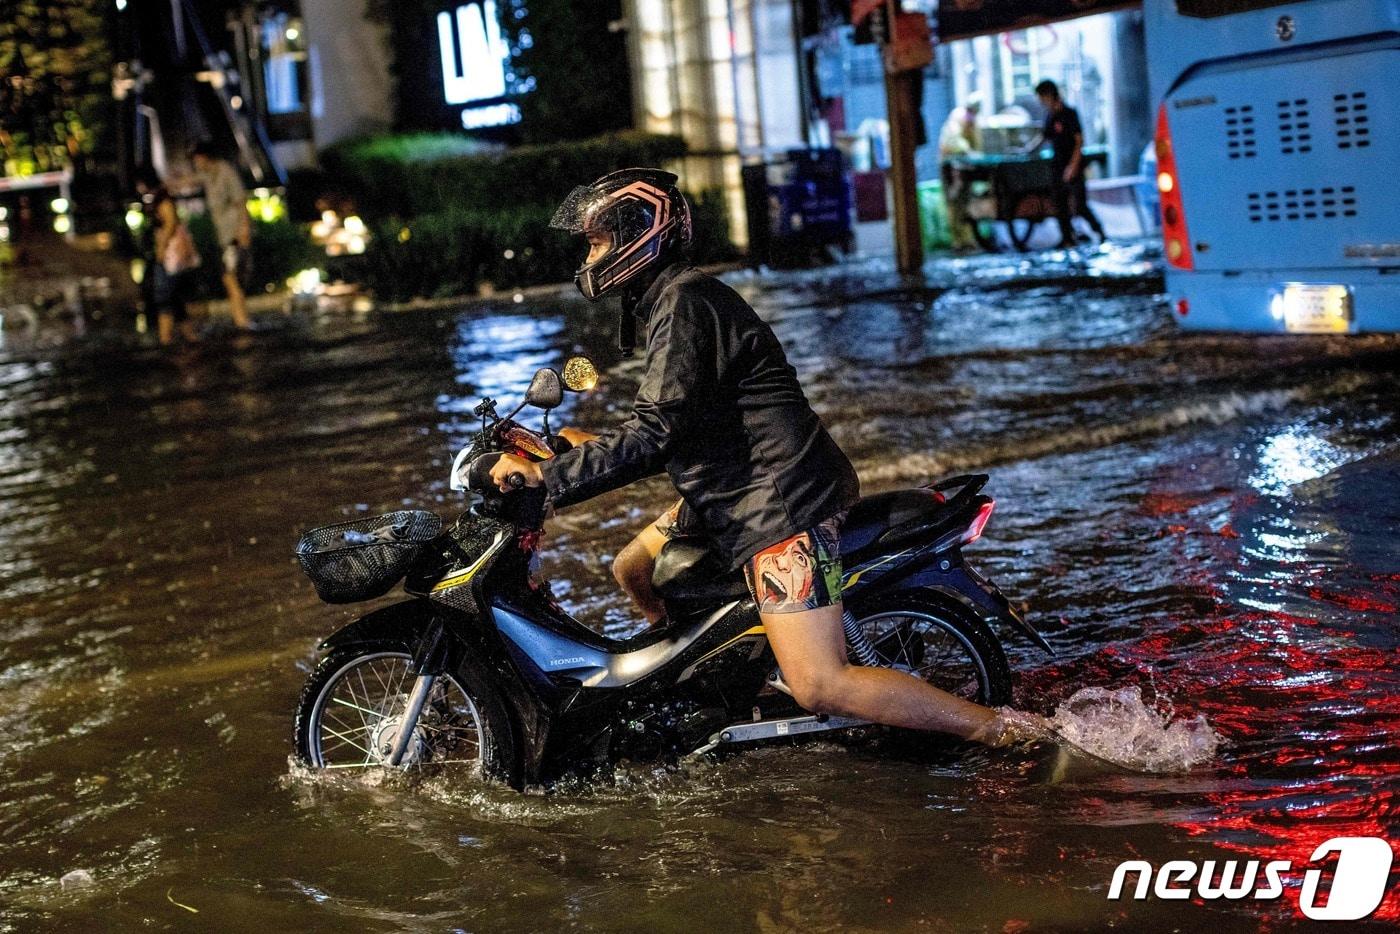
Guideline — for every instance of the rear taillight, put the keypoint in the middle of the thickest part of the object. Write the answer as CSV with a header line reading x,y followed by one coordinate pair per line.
x,y
1175,239
978,523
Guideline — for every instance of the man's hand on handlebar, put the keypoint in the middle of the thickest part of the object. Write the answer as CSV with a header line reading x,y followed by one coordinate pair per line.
x,y
577,436
510,471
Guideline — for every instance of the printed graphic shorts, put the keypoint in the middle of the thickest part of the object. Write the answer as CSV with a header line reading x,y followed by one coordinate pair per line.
x,y
796,574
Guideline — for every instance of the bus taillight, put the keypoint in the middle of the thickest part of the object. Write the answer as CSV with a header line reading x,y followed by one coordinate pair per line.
x,y
1175,240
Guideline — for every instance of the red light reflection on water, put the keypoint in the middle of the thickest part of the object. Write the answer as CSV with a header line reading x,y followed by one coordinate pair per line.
x,y
1297,672
1360,603
1310,710
1310,717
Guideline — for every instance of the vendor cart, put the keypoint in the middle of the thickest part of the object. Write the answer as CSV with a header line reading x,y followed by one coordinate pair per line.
x,y
1014,189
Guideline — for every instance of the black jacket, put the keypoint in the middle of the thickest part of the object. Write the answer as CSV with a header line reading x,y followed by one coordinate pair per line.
x,y
720,410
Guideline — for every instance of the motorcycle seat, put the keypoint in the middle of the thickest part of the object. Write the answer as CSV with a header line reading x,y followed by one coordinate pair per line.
x,y
873,516
689,570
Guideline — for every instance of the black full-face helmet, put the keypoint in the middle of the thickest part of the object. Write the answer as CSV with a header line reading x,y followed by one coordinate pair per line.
x,y
642,212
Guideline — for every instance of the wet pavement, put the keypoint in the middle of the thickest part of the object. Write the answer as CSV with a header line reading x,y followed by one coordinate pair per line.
x,y
1209,519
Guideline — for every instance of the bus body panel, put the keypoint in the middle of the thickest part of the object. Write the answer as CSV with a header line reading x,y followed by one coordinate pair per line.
x,y
1266,208
1177,44
1291,165
1218,301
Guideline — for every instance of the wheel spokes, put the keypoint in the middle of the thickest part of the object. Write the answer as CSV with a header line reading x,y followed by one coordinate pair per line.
x,y
346,739
362,710
448,731
927,648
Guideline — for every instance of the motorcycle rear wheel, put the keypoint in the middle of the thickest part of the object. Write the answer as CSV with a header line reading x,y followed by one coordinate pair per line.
x,y
352,703
940,642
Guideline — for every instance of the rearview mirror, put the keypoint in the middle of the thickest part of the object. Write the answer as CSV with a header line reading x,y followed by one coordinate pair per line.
x,y
580,374
546,390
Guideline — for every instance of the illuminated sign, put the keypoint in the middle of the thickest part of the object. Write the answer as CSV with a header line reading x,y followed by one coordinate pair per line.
x,y
475,57
474,118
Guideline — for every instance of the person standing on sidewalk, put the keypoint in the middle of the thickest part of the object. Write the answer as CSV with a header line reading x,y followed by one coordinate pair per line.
x,y
171,260
960,137
227,201
1065,135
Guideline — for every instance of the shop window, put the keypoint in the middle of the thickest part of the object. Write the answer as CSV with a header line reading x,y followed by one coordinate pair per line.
x,y
475,59
1023,61
286,88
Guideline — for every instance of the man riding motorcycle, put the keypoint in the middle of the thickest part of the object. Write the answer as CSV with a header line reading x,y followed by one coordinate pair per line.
x,y
720,410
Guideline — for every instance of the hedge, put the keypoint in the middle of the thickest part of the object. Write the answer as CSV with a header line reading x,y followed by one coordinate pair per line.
x,y
444,212
406,176
453,251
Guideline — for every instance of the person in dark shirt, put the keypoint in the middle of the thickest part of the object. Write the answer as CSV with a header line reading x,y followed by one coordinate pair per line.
x,y
1065,135
720,410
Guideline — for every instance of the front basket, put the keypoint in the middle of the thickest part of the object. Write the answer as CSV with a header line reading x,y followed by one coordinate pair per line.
x,y
364,558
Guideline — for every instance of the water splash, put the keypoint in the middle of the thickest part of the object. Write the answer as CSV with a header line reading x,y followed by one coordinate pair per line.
x,y
1120,727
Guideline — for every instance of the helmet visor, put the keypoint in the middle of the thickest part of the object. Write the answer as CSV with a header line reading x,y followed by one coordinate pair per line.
x,y
578,212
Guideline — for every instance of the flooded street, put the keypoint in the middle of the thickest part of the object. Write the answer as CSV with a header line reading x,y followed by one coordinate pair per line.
x,y
1209,519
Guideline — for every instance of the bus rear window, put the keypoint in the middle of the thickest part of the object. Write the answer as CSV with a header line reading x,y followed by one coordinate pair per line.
x,y
1207,9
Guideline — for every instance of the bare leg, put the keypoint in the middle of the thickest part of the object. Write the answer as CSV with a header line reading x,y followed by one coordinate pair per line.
x,y
810,646
237,303
632,568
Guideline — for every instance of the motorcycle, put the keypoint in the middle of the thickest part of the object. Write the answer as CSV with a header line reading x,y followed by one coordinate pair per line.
x,y
482,668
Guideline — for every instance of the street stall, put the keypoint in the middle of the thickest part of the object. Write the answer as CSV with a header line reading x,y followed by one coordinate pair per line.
x,y
1012,189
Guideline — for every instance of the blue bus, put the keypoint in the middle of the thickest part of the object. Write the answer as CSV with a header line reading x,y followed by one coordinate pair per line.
x,y
1278,162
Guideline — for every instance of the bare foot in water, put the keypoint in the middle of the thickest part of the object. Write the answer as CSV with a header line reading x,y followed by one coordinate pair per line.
x,y
1013,726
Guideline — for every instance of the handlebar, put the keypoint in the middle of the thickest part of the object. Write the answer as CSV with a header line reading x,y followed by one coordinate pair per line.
x,y
479,475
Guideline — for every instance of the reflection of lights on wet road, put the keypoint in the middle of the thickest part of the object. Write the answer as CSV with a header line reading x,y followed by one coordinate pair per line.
x,y
1113,531
1295,455
1276,546
496,355
25,465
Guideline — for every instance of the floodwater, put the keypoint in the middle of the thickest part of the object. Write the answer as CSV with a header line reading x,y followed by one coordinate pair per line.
x,y
1207,520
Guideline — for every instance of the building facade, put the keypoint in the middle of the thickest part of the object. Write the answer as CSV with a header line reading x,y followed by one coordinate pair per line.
x,y
722,74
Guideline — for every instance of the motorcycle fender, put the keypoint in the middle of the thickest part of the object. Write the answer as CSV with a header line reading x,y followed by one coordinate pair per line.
x,y
978,594
399,623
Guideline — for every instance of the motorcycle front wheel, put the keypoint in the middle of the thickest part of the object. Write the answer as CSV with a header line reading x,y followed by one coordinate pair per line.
x,y
940,642
353,705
